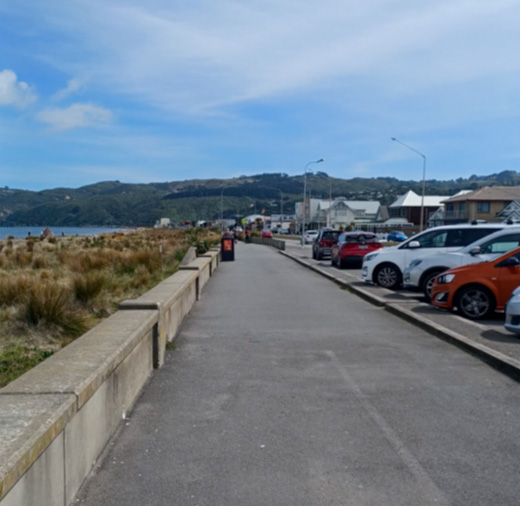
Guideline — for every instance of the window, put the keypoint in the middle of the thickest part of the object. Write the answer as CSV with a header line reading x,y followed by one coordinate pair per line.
x,y
462,206
501,244
483,207
433,239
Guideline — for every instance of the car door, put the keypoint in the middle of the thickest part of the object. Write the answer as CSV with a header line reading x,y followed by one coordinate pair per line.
x,y
429,242
508,279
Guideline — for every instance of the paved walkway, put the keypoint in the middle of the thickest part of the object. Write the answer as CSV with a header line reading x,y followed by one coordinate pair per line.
x,y
286,390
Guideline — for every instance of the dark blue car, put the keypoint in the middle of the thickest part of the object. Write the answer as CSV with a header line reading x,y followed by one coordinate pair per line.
x,y
397,236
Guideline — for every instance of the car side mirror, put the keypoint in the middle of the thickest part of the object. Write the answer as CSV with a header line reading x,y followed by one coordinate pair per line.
x,y
414,244
509,262
475,251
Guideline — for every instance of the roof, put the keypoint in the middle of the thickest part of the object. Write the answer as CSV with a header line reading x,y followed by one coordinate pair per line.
x,y
369,206
499,193
411,199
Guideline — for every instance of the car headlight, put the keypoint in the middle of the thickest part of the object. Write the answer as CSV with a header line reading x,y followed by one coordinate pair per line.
x,y
369,257
444,279
414,263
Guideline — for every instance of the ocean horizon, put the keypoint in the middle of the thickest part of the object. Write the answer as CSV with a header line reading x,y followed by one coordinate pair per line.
x,y
22,232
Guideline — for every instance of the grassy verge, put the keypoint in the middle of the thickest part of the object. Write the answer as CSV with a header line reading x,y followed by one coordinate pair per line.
x,y
53,291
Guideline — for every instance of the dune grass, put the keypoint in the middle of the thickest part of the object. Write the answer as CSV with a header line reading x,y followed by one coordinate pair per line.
x,y
52,291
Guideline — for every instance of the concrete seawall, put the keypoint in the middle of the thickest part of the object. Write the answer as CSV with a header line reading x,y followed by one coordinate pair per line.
x,y
56,419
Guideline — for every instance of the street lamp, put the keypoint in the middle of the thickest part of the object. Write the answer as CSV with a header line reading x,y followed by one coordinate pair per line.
x,y
305,194
423,178
222,209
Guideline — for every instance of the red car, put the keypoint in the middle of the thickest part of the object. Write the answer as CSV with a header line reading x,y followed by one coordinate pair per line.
x,y
267,233
351,247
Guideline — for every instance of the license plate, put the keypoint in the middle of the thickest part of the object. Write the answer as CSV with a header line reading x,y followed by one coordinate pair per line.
x,y
363,246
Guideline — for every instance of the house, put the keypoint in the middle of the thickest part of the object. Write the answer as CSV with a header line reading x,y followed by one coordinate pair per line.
x,y
409,205
282,221
510,213
487,203
342,212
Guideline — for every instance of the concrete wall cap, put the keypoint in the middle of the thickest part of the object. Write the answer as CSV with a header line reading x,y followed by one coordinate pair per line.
x,y
28,425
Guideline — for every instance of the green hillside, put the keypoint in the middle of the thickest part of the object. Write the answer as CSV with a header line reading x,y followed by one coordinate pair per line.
x,y
112,203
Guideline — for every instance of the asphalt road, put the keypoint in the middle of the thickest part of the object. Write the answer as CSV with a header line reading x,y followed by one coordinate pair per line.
x,y
286,390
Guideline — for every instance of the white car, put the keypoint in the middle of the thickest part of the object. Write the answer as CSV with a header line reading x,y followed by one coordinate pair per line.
x,y
422,271
385,267
309,236
512,311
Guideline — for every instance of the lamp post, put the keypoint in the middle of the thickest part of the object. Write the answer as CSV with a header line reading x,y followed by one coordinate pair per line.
x,y
222,209
421,225
305,194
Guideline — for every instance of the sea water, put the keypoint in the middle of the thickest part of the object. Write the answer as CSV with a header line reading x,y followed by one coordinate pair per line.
x,y
21,232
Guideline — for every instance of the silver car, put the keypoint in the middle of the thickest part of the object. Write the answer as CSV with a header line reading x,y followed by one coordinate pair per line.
x,y
513,312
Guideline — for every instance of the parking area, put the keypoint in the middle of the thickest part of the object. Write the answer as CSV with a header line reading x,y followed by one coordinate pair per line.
x,y
486,338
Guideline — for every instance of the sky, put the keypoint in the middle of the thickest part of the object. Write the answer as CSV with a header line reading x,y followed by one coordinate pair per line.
x,y
169,90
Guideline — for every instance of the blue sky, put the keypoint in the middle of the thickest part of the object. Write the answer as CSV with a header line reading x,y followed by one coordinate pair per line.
x,y
167,90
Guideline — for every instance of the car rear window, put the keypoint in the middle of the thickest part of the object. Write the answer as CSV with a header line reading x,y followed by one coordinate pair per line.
x,y
330,234
360,238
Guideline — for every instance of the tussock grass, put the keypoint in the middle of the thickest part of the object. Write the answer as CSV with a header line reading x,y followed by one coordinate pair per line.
x,y
53,291
88,286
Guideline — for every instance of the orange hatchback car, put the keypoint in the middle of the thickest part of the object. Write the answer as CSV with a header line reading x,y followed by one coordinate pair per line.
x,y
476,290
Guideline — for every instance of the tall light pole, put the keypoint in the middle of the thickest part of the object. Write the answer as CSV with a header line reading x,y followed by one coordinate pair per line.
x,y
421,225
305,194
222,209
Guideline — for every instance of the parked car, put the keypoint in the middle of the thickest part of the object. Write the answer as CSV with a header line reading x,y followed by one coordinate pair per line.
x,y
309,236
323,242
421,272
476,290
397,236
351,247
385,267
512,310
266,233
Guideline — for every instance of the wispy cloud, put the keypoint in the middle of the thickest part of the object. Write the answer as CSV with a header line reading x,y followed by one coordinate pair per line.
x,y
72,87
14,92
75,116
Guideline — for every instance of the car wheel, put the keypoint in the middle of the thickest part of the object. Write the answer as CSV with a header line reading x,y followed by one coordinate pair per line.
x,y
388,276
428,283
313,254
319,256
475,302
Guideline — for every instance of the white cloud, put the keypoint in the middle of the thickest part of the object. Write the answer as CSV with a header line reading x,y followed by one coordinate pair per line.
x,y
14,92
72,86
75,116
201,54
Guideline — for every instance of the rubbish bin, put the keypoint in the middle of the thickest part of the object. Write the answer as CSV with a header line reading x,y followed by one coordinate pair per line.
x,y
227,247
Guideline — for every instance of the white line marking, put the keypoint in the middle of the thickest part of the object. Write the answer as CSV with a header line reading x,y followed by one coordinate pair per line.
x,y
432,494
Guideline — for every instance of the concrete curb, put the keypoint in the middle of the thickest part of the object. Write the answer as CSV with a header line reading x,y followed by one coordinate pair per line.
x,y
507,365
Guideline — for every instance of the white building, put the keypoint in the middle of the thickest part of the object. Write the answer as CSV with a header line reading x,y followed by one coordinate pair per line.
x,y
339,212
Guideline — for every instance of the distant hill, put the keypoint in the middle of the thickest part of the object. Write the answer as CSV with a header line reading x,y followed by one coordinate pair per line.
x,y
112,203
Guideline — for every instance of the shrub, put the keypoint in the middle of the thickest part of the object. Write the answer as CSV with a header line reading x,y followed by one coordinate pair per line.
x,y
87,287
49,305
39,262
